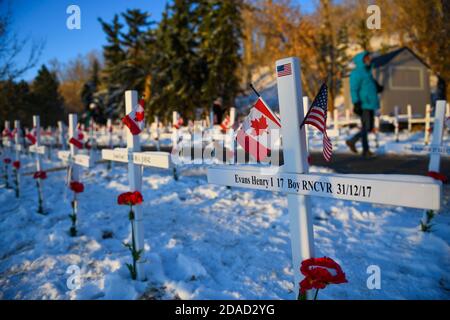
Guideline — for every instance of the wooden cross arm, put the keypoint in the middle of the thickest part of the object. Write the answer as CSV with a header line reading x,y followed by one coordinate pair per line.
x,y
418,148
38,149
397,190
79,159
146,159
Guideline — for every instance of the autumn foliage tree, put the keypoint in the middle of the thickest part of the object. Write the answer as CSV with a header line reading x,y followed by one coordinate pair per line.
x,y
424,27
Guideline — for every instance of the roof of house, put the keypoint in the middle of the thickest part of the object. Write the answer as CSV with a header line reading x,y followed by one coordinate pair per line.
x,y
384,59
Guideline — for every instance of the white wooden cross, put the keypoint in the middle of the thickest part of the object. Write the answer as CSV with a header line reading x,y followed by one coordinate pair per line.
x,y
17,139
109,132
396,124
427,124
436,149
39,150
61,140
211,118
14,142
7,141
377,130
410,118
294,180
72,156
136,161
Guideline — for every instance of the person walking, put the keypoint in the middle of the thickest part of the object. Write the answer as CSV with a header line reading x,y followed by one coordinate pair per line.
x,y
364,91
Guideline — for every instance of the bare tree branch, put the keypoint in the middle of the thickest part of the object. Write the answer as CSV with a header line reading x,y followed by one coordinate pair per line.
x,y
11,46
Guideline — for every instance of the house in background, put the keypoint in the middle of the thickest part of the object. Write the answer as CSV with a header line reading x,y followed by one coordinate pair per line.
x,y
405,78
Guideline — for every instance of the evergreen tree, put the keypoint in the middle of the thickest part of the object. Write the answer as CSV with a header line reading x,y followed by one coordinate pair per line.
x,y
91,86
332,45
47,101
15,102
178,71
91,97
196,56
126,57
113,54
220,34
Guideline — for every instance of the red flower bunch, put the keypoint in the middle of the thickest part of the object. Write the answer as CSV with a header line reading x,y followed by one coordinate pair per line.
x,y
76,187
40,175
16,164
7,160
320,272
130,198
437,176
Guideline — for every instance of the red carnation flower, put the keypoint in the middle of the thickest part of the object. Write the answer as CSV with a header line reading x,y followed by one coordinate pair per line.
x,y
76,187
40,175
16,164
7,160
130,198
320,272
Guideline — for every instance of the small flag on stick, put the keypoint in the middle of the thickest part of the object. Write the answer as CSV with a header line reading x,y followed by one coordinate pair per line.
x,y
31,136
135,119
317,117
254,134
77,140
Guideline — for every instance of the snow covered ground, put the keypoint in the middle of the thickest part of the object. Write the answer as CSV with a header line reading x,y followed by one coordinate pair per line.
x,y
208,242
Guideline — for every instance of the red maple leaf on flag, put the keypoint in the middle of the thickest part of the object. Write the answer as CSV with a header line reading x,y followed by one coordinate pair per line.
x,y
139,116
259,125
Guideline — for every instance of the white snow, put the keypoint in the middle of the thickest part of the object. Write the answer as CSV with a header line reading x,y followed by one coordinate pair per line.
x,y
208,242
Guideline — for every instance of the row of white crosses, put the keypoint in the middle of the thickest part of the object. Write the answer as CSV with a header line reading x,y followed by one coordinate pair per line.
x,y
38,150
436,149
11,145
136,161
294,179
72,156
426,120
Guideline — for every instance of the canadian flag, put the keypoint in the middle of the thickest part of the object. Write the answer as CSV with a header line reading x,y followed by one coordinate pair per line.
x,y
135,119
31,136
77,140
225,125
179,123
254,134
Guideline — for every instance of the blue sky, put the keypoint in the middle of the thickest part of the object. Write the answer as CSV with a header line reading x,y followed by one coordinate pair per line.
x,y
46,20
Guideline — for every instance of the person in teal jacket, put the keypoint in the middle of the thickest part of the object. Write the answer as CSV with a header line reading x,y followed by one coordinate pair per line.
x,y
364,91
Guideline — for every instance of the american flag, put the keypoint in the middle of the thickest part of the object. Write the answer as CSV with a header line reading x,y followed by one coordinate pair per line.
x,y
284,70
317,117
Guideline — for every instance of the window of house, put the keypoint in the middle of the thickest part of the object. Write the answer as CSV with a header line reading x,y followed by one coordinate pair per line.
x,y
406,78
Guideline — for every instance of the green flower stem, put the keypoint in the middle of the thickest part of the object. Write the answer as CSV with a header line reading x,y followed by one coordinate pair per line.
x,y
16,171
40,204
133,243
73,216
6,176
315,296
